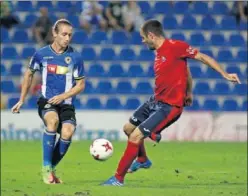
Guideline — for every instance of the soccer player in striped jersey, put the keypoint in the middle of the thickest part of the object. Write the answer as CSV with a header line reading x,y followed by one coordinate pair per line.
x,y
62,71
173,91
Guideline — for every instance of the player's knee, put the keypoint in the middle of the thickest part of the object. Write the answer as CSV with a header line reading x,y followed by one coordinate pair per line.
x,y
128,128
67,131
52,124
136,136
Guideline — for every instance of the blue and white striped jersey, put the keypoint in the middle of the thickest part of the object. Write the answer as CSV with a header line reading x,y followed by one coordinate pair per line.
x,y
58,71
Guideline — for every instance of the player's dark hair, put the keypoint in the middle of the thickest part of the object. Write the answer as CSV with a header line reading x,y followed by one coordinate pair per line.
x,y
59,22
153,26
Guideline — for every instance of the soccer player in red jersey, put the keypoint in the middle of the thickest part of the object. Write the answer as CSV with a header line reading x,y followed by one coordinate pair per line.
x,y
173,91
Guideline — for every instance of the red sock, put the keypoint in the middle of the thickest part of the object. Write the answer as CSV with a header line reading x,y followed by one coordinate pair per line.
x,y
142,153
129,155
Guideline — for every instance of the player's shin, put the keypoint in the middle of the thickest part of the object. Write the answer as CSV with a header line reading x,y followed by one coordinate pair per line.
x,y
142,153
60,150
130,154
48,145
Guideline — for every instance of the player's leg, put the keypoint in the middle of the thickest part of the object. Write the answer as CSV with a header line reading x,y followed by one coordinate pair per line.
x,y
68,121
163,117
131,152
49,137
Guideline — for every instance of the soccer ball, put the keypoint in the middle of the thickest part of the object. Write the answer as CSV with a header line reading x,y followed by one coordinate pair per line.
x,y
101,149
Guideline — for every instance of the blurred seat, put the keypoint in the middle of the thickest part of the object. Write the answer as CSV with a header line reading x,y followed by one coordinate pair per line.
x,y
220,8
161,7
131,104
135,70
197,39
63,6
178,36
230,105
116,70
88,54
79,37
107,54
217,39
212,74
143,88
150,71
4,36
96,70
211,105
31,103
47,4
189,22
7,86
181,7
29,20
228,23
124,87
104,87
244,105
3,70
77,103
146,55
28,52
243,25
236,40
113,104
240,89
225,56
16,69
208,22
234,69
98,37
24,6
135,38
12,101
20,36
200,8
170,22
242,56
9,53
93,103
144,6
221,88
120,37
196,72
126,54
207,52
202,88
89,89
74,20
195,105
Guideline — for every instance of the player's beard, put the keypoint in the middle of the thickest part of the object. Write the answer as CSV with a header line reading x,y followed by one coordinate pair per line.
x,y
151,46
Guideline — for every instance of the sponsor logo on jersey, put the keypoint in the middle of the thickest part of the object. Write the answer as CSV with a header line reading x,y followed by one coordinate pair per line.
x,y
48,57
57,69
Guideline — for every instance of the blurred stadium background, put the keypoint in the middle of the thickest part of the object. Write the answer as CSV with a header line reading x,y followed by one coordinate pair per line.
x,y
119,68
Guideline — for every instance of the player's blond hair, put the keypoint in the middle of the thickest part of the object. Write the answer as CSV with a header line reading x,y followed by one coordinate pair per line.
x,y
59,22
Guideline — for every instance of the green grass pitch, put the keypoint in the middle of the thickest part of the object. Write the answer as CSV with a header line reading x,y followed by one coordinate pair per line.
x,y
179,169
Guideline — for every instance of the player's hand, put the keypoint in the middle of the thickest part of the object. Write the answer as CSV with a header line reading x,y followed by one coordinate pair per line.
x,y
16,108
232,77
188,99
56,99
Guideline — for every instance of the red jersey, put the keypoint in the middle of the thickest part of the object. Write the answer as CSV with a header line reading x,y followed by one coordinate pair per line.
x,y
170,69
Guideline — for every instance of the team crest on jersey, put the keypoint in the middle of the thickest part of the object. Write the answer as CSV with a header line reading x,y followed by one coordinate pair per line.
x,y
163,59
68,60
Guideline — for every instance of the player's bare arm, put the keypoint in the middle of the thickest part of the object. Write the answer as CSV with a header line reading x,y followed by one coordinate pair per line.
x,y
233,77
27,81
79,87
189,97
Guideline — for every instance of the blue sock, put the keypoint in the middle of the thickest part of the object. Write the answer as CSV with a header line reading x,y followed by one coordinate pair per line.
x,y
48,146
60,150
